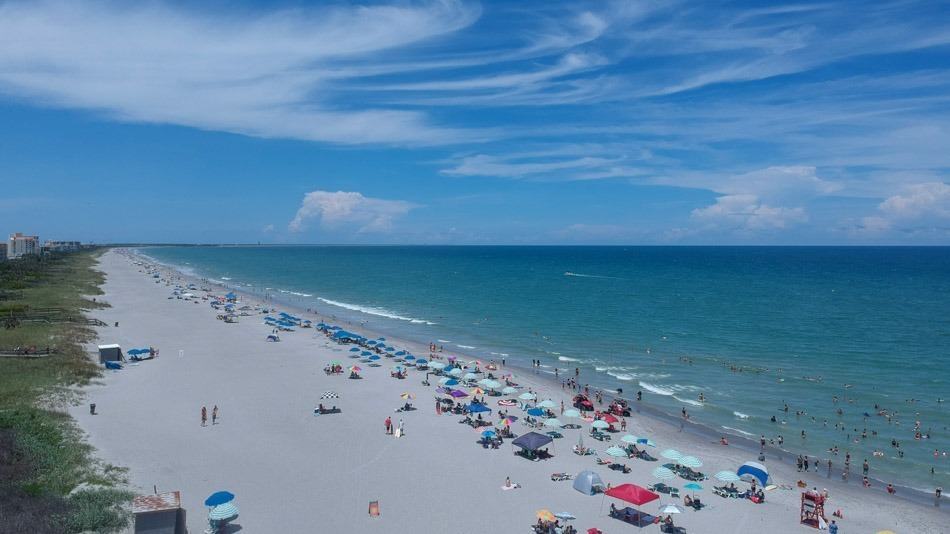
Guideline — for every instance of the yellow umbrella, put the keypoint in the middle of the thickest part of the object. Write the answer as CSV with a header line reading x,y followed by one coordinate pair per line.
x,y
407,396
477,391
546,515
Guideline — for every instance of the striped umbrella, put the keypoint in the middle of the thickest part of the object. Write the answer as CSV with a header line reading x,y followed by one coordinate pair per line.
x,y
671,454
616,452
407,396
330,395
223,511
438,366
600,424
553,422
690,461
509,390
547,403
527,396
356,368
629,438
663,473
572,413
670,508
455,371
727,476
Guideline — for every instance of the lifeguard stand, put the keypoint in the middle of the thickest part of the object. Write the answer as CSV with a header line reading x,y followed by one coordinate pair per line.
x,y
813,507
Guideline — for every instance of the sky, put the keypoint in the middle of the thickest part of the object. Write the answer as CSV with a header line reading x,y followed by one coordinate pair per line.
x,y
457,122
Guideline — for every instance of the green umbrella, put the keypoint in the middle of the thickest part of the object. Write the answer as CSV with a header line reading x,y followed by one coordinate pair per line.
x,y
600,424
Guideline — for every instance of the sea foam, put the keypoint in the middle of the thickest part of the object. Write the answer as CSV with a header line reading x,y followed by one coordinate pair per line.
x,y
369,310
688,401
655,389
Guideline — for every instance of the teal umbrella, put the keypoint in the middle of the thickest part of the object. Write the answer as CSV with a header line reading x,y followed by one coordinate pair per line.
x,y
663,473
727,476
690,461
526,396
629,438
693,486
572,413
547,403
553,422
671,454
600,424
509,390
616,452
223,511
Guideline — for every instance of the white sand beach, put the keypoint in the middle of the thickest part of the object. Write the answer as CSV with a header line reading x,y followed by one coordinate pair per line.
x,y
293,471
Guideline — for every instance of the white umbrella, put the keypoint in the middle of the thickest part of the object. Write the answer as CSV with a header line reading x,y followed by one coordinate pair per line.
x,y
470,376
437,365
670,508
553,422
600,424
509,390
455,371
526,396
572,413
547,403
663,473
690,461
488,383
567,516
671,454
629,438
727,476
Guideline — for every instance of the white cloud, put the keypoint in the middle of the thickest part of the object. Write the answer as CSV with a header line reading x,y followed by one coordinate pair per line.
x,y
747,213
349,207
919,201
260,74
517,167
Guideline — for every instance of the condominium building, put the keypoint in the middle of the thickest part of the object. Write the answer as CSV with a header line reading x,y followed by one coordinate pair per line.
x,y
21,245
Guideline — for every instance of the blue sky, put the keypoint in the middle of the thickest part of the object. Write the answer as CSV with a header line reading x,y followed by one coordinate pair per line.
x,y
463,122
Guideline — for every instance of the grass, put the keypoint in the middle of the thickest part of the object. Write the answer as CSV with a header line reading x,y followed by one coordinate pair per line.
x,y
50,481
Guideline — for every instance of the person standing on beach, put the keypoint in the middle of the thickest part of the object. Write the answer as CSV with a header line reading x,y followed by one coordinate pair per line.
x,y
214,415
402,428
389,425
204,416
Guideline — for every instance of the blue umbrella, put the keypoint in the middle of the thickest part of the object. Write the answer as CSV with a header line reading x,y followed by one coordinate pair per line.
x,y
366,353
401,353
219,497
452,382
374,357
422,362
389,349
409,357
536,412
489,434
381,338
355,349
371,342
477,408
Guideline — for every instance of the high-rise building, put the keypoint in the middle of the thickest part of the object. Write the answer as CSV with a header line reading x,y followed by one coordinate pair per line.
x,y
21,245
61,246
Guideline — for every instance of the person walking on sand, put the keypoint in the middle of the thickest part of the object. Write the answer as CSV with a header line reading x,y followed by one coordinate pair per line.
x,y
389,425
214,415
204,416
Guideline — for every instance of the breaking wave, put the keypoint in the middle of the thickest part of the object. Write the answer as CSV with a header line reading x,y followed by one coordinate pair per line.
x,y
655,389
369,310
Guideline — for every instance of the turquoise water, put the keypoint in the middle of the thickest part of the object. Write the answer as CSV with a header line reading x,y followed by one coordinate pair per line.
x,y
748,327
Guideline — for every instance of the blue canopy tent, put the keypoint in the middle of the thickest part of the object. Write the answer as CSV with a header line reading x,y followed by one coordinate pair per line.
x,y
231,296
536,412
532,441
754,470
477,408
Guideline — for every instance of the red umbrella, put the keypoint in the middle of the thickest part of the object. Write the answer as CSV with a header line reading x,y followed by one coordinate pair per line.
x,y
609,418
632,494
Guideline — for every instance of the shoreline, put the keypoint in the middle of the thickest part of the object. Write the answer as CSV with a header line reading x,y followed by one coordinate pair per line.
x,y
544,380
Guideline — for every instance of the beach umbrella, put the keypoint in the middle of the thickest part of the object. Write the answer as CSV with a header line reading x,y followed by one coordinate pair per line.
x,y
693,486
489,434
438,366
547,403
527,396
509,390
373,358
536,412
600,424
401,353
645,441
553,422
335,362
398,368
572,413
470,376
546,515
366,353
670,508
616,452
455,371
567,516
223,511
489,383
381,338
477,391
389,349
445,379
477,408
219,497
671,454
407,396
727,476
356,368
407,357
371,342
355,349
422,362
330,395
664,473
452,382
458,393
609,418
629,438
690,461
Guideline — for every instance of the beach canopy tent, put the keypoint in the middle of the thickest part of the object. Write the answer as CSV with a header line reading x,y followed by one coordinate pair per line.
x,y
632,493
110,353
343,335
754,470
532,441
477,408
536,412
588,482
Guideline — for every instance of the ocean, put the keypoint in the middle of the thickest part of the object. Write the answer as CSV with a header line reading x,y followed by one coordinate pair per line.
x,y
749,328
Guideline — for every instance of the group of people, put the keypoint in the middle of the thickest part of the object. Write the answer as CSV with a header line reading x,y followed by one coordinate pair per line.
x,y
395,431
204,415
